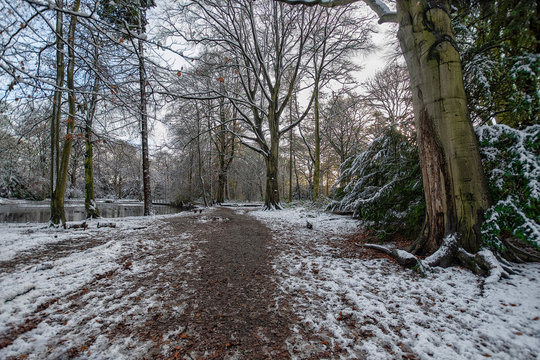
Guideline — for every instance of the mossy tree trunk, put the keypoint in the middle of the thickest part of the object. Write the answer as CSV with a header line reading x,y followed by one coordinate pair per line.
x,y
58,214
271,198
454,183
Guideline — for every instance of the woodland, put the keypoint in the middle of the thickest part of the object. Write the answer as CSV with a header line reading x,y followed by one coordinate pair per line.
x,y
260,101
200,103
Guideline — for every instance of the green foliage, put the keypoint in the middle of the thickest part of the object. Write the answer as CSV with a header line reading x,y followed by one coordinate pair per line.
x,y
501,61
383,186
511,160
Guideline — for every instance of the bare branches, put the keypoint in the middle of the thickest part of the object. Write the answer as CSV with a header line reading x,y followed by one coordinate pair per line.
x,y
378,6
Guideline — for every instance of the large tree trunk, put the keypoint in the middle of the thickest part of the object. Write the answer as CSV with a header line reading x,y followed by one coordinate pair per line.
x,y
271,198
454,184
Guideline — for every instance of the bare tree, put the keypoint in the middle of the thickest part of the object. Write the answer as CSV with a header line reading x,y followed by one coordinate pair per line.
x,y
345,119
388,93
333,43
264,45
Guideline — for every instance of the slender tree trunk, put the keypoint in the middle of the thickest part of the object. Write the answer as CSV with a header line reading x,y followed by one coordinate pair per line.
x,y
221,145
291,165
454,183
58,215
147,192
190,174
317,152
199,159
56,114
297,178
90,204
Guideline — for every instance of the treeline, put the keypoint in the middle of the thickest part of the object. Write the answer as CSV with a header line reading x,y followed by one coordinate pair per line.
x,y
258,101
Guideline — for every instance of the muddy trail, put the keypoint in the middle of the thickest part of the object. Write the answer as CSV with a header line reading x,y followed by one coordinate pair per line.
x,y
234,311
197,286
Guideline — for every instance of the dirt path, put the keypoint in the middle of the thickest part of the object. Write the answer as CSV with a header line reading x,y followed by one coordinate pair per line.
x,y
195,286
234,308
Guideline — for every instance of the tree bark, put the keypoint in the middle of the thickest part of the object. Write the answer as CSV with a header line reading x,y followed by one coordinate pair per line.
x,y
291,164
56,114
147,192
454,183
271,199
317,151
58,214
90,205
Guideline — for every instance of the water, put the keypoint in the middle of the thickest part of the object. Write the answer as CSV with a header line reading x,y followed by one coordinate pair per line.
x,y
39,211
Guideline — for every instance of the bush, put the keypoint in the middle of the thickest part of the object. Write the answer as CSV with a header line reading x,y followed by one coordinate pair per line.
x,y
511,162
383,186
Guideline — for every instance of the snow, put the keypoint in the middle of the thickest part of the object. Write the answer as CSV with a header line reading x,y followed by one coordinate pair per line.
x,y
375,309
30,285
353,307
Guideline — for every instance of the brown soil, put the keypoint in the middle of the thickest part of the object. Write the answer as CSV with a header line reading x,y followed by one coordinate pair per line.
x,y
223,283
234,310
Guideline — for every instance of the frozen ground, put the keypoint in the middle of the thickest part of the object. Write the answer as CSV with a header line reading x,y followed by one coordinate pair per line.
x,y
121,293
70,293
374,309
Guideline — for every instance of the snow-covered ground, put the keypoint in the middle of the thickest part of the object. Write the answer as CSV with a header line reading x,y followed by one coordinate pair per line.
x,y
55,297
89,293
374,309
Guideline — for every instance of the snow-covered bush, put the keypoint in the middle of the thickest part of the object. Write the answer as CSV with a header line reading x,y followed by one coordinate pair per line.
x,y
383,185
511,160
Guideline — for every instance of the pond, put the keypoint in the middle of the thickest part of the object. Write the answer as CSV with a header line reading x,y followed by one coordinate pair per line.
x,y
39,211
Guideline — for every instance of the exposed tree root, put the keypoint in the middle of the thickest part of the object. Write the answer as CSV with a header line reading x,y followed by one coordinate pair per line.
x,y
272,207
518,254
484,262
403,257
